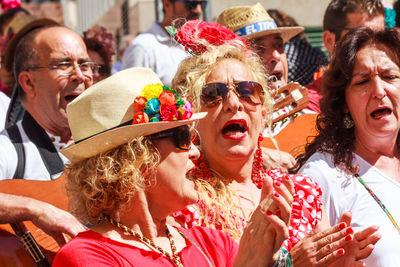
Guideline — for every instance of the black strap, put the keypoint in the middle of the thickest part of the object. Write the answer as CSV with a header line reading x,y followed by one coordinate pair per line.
x,y
15,110
16,140
48,153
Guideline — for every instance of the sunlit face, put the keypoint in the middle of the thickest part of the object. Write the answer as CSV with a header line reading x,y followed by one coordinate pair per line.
x,y
270,50
52,92
373,96
231,128
357,20
172,189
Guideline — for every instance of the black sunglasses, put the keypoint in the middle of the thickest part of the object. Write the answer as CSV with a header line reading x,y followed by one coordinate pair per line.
x,y
190,5
180,135
213,93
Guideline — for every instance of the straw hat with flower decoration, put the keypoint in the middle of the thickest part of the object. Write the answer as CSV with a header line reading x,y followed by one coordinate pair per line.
x,y
254,21
128,104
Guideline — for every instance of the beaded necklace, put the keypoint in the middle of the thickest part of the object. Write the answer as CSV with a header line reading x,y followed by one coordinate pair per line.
x,y
258,173
174,257
376,198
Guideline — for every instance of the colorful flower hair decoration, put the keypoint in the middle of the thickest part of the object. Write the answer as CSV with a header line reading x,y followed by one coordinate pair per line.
x,y
7,4
160,103
195,35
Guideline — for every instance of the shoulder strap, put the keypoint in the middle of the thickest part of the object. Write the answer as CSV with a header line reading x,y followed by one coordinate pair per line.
x,y
48,152
16,140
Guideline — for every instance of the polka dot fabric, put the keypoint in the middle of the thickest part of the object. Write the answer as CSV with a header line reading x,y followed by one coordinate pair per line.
x,y
306,208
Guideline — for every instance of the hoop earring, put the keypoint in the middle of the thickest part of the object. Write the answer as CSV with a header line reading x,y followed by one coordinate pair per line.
x,y
348,121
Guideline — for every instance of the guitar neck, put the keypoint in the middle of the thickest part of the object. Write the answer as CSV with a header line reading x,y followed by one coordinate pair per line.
x,y
30,244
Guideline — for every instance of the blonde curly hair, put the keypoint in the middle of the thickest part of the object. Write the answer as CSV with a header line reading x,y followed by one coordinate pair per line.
x,y
104,184
221,210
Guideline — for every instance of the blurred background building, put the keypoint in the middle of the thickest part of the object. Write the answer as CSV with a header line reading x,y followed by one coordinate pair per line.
x,y
123,17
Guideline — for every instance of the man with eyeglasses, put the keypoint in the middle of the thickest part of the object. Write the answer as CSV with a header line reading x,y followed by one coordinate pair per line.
x,y
155,48
53,68
340,17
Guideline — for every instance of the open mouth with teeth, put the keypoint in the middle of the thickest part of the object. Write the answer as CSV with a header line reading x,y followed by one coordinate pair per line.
x,y
235,129
69,98
381,113
275,76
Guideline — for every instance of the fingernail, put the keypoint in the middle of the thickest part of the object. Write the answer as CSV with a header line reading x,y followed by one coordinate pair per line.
x,y
348,238
287,177
277,183
341,251
276,194
269,213
349,230
342,225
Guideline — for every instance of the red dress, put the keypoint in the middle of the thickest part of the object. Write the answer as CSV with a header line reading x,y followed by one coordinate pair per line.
x,y
92,249
306,208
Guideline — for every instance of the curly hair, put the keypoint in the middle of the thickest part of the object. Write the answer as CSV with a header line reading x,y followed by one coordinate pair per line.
x,y
105,183
333,137
222,210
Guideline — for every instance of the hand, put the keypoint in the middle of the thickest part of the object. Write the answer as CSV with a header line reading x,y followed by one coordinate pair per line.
x,y
55,221
360,247
265,232
321,248
273,159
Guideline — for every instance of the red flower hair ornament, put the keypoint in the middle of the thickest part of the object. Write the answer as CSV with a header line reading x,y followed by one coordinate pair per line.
x,y
7,4
195,35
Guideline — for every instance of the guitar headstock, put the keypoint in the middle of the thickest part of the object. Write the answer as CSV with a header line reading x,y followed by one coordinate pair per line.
x,y
288,100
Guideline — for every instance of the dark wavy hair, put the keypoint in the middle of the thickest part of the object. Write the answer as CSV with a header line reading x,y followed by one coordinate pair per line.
x,y
333,137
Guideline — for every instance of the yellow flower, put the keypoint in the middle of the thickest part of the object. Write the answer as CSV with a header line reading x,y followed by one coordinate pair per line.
x,y
151,91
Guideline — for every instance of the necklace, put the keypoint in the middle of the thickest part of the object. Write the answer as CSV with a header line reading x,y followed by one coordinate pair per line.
x,y
174,257
258,173
376,198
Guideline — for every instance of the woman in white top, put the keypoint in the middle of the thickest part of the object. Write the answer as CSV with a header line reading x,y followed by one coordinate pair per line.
x,y
355,158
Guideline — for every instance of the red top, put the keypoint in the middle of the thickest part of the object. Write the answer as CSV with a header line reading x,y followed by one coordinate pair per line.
x,y
90,248
315,92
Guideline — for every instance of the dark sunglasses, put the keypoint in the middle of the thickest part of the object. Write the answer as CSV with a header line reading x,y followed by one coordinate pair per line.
x,y
180,135
213,93
190,5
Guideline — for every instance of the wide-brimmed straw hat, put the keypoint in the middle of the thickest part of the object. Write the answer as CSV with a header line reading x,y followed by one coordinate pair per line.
x,y
254,21
101,117
20,25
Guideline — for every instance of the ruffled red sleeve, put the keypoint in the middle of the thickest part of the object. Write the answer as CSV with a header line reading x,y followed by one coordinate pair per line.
x,y
306,207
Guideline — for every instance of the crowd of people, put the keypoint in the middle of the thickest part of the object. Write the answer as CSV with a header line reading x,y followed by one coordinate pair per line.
x,y
165,154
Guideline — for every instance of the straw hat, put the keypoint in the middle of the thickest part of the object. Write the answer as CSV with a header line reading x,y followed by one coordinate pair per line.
x,y
20,25
101,117
254,21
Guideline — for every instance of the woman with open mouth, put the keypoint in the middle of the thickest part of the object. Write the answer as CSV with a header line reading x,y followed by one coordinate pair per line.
x,y
355,158
127,174
227,80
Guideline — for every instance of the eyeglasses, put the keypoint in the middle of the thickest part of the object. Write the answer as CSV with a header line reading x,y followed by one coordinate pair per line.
x,y
213,93
190,5
67,68
180,135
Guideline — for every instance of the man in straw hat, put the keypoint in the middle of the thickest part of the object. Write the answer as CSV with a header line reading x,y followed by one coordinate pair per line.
x,y
340,17
255,24
53,68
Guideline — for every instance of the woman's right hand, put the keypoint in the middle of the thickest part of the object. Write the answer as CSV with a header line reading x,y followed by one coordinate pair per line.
x,y
268,226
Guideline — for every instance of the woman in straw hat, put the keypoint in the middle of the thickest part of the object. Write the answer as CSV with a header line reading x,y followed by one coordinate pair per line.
x,y
127,174
226,79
